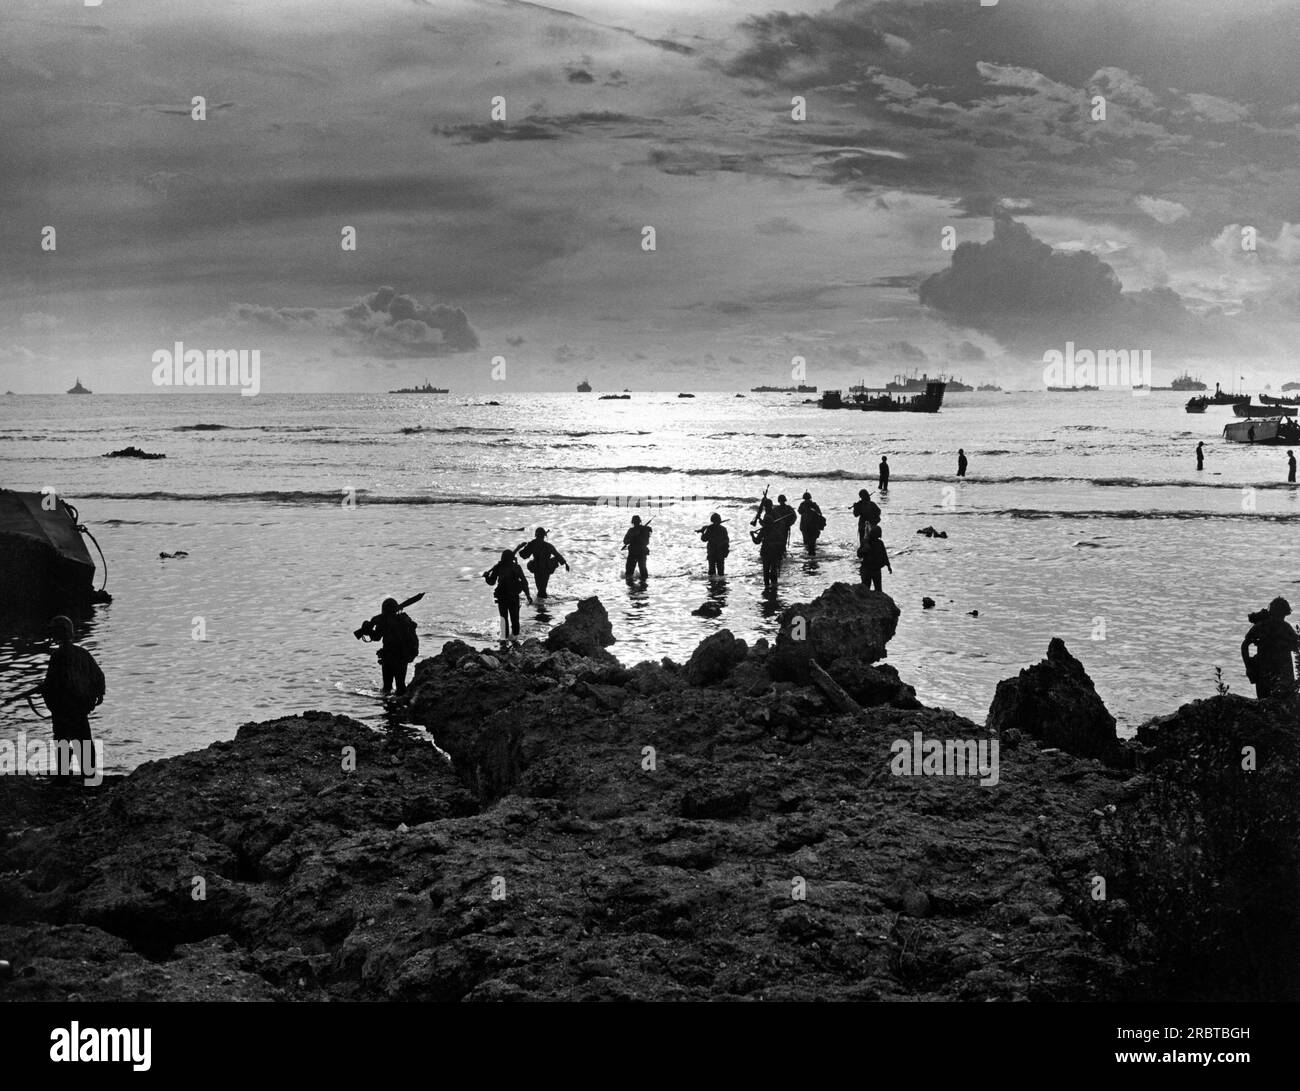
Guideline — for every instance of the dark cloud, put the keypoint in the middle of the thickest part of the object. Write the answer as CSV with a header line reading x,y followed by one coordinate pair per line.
x,y
907,351
541,127
967,351
1017,286
384,323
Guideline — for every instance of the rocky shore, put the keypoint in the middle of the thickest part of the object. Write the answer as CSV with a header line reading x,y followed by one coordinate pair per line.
x,y
735,827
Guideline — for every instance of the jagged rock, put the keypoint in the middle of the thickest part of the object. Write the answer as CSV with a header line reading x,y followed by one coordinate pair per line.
x,y
844,628
132,452
647,833
586,631
930,532
714,658
708,609
927,603
1055,702
877,684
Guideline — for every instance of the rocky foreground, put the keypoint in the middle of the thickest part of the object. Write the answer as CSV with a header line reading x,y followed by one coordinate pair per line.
x,y
730,828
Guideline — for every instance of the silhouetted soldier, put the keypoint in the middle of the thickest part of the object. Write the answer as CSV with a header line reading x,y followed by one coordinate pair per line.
x,y
399,644
811,522
510,583
1290,466
1200,455
637,543
72,689
784,514
717,545
1272,668
545,559
961,462
868,513
770,539
874,558
884,474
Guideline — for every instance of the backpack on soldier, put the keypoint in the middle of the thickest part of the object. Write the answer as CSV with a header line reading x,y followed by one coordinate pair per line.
x,y
405,642
77,682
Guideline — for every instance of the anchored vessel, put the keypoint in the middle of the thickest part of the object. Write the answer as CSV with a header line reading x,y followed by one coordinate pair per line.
x,y
910,384
584,387
427,388
886,401
800,389
79,389
1186,382
1268,400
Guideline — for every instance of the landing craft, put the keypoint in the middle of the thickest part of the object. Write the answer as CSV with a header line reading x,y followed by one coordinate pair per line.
x,y
45,568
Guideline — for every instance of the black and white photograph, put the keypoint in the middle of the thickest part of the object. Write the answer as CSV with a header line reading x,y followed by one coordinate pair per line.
x,y
668,502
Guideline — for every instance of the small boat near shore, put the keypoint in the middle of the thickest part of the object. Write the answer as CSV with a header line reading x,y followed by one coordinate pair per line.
x,y
1268,399
1246,410
1222,397
885,401
1272,431
614,398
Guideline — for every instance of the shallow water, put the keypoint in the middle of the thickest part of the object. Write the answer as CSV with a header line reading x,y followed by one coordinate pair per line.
x,y
1083,516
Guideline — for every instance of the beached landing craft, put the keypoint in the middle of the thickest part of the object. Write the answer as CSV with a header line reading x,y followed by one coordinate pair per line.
x,y
883,401
45,568
1243,409
1273,432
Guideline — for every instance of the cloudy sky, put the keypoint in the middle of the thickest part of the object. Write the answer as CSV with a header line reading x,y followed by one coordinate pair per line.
x,y
522,239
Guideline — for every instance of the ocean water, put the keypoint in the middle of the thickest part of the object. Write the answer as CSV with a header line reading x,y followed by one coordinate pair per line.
x,y
1082,517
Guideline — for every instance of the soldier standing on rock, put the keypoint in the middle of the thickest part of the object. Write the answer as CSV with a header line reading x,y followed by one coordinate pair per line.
x,y
73,688
1272,667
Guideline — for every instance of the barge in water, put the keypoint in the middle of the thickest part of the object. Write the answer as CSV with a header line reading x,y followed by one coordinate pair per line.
x,y
885,401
